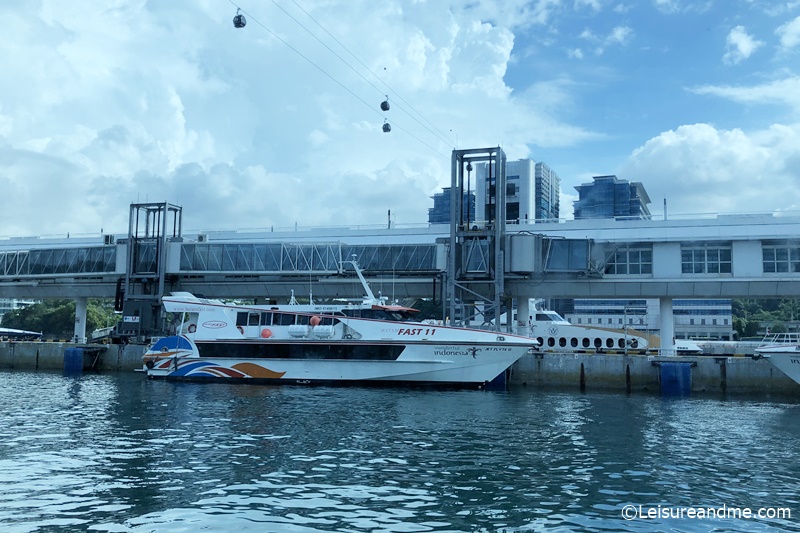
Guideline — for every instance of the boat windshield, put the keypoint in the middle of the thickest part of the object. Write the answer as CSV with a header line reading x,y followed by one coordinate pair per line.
x,y
382,314
549,316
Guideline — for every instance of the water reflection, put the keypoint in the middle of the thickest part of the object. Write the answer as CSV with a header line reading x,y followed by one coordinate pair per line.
x,y
119,453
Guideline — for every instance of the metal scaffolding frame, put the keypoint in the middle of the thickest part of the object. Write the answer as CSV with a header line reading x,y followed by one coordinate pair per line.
x,y
476,264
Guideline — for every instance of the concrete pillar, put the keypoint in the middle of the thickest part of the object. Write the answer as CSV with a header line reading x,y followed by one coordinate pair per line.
x,y
80,320
523,315
667,326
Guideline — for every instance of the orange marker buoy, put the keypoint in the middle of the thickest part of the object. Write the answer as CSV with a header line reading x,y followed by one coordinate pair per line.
x,y
266,334
315,320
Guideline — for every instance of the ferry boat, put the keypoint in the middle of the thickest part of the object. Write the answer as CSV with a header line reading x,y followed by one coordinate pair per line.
x,y
783,351
372,341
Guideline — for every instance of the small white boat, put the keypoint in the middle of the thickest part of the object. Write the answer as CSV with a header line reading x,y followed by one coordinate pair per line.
x,y
369,342
783,351
556,334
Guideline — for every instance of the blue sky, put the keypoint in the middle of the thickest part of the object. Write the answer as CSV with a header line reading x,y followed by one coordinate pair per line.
x,y
279,123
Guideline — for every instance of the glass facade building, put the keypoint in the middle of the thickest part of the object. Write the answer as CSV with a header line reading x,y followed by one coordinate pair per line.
x,y
611,197
440,212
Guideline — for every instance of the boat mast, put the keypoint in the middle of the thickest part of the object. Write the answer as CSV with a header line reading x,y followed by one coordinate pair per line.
x,y
364,284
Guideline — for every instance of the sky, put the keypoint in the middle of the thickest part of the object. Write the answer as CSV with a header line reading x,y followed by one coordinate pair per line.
x,y
278,124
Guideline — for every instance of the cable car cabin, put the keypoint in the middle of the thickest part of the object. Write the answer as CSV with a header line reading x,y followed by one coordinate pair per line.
x,y
386,127
239,21
385,105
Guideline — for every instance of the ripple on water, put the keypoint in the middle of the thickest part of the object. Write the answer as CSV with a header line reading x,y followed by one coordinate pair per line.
x,y
118,453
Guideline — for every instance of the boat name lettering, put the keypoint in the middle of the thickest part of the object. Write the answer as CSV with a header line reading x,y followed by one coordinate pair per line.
x,y
457,350
190,309
795,361
416,331
214,324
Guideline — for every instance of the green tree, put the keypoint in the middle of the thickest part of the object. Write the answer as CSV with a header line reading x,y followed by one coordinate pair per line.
x,y
56,318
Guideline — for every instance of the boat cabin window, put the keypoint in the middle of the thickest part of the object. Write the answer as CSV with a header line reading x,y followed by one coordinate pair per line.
x,y
249,318
381,314
253,318
283,319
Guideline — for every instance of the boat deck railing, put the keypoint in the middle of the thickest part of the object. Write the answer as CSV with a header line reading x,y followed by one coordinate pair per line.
x,y
780,339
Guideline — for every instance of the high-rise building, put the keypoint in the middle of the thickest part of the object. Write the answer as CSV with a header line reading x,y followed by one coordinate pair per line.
x,y
611,197
532,191
440,212
548,191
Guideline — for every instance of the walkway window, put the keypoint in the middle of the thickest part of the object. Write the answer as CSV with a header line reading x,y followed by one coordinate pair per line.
x,y
781,258
707,258
630,260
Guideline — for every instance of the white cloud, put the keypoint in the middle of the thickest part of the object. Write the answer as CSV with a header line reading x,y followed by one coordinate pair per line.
x,y
781,8
682,6
667,6
784,91
739,46
701,169
620,35
789,34
575,53
155,101
593,5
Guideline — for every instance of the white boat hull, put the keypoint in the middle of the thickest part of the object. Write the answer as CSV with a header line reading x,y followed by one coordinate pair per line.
x,y
785,358
178,358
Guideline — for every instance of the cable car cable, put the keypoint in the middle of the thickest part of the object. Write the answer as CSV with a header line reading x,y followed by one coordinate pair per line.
x,y
295,50
440,133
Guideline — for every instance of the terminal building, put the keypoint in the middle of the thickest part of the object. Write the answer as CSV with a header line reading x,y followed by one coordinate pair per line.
x,y
533,191
611,197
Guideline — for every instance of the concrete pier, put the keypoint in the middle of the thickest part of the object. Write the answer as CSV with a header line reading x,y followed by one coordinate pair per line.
x,y
709,373
615,372
50,356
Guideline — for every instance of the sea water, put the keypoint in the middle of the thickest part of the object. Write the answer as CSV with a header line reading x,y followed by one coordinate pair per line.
x,y
116,452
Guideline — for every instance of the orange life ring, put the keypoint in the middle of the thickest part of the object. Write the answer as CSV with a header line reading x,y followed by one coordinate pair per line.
x,y
241,329
192,328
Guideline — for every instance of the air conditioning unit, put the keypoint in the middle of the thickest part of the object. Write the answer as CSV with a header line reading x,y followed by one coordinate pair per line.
x,y
109,239
202,237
